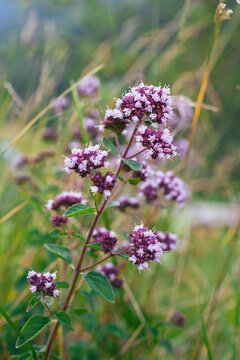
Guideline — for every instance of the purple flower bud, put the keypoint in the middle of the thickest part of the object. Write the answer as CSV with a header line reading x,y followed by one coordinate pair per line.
x,y
145,247
103,184
182,113
178,319
173,187
59,220
168,240
50,134
65,199
43,155
152,102
22,178
149,189
59,105
88,86
182,147
158,143
84,161
108,239
43,283
125,202
145,173
111,272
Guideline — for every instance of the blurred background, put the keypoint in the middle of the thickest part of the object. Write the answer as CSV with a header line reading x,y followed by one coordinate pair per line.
x,y
47,44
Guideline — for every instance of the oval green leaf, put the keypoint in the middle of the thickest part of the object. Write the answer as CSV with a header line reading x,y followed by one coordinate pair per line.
x,y
79,209
101,284
32,328
135,165
110,146
64,319
60,251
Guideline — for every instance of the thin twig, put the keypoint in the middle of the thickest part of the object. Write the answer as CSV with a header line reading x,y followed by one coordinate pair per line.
x,y
118,145
70,243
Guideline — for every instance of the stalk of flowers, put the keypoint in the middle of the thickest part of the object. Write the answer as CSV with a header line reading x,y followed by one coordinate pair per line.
x,y
84,161
144,247
103,184
173,188
43,283
158,144
140,102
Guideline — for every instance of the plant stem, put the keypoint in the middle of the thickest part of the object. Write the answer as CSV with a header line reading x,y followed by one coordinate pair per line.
x,y
118,145
138,153
70,244
81,258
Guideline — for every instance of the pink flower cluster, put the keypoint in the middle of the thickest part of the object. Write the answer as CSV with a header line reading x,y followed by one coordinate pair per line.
x,y
59,105
108,239
126,201
168,240
88,86
158,143
58,220
111,272
142,101
145,247
103,184
145,173
173,187
84,161
43,283
65,199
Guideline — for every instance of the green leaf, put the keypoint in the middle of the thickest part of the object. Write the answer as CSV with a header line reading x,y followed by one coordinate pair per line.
x,y
148,122
79,312
125,255
32,328
113,204
64,319
62,284
120,178
95,246
101,284
60,251
33,302
110,146
135,165
80,236
79,209
134,181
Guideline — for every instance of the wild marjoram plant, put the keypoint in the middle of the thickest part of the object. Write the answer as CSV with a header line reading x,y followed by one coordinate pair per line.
x,y
140,117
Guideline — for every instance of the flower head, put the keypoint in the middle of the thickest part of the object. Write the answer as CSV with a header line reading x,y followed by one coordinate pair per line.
x,y
88,86
142,101
126,201
58,105
111,272
108,239
65,199
59,220
173,187
84,161
145,247
182,147
149,189
168,240
145,173
158,143
43,283
182,112
103,183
